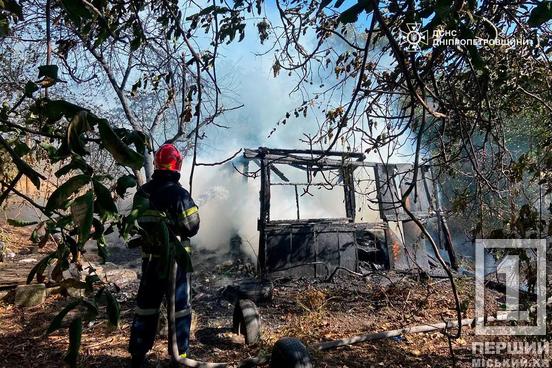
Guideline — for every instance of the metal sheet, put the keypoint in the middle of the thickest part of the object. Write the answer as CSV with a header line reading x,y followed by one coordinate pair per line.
x,y
415,246
388,195
298,249
420,198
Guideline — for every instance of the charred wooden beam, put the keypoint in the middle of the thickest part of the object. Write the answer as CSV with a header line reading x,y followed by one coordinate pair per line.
x,y
349,192
264,218
316,161
279,173
313,153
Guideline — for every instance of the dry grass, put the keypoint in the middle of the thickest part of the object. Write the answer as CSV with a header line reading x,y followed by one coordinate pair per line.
x,y
311,311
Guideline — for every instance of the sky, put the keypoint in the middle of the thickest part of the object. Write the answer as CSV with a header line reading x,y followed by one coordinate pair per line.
x,y
229,203
226,199
248,76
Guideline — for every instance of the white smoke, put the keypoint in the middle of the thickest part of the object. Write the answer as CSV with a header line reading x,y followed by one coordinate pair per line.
x,y
228,206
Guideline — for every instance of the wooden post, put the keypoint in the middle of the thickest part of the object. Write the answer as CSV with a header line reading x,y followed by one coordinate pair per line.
x,y
264,217
349,188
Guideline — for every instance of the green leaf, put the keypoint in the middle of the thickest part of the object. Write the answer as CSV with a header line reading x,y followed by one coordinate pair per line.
x,y
75,334
351,15
104,201
443,8
90,280
60,196
62,152
425,11
120,151
56,322
101,37
62,251
39,268
125,182
135,86
367,5
135,43
323,4
92,309
540,14
48,71
35,238
76,10
98,229
55,225
50,149
4,28
82,210
207,10
129,223
77,163
140,203
79,125
139,140
490,28
100,178
55,109
72,244
21,223
476,58
13,7
113,309
22,166
28,171
102,248
20,148
31,88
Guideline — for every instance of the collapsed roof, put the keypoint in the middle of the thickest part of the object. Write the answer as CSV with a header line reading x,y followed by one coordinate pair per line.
x,y
371,230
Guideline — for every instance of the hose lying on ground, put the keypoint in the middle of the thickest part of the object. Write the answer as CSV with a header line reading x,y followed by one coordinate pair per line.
x,y
401,331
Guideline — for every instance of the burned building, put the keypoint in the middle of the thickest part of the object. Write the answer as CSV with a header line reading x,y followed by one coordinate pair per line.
x,y
364,223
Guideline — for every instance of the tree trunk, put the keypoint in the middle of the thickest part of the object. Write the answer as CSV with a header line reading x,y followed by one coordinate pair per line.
x,y
148,165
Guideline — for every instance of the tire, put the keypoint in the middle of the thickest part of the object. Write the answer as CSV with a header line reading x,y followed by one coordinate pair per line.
x,y
259,291
247,321
290,353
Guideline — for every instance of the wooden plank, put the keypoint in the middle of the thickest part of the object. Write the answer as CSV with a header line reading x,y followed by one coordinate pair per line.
x,y
14,273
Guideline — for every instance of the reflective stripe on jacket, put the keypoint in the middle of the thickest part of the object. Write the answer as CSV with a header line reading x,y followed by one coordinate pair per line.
x,y
169,203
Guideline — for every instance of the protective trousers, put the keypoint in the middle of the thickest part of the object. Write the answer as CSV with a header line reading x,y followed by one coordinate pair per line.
x,y
148,302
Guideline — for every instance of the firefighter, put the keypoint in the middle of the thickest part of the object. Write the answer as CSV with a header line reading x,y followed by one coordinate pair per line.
x,y
167,212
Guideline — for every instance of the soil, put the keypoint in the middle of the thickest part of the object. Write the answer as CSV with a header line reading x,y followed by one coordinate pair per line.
x,y
310,310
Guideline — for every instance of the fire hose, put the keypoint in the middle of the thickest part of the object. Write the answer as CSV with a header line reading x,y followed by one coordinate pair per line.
x,y
173,346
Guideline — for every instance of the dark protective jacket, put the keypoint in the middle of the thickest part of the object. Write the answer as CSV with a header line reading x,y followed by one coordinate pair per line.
x,y
168,202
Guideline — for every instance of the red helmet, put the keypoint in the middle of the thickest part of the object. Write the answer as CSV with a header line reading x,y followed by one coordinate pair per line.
x,y
168,157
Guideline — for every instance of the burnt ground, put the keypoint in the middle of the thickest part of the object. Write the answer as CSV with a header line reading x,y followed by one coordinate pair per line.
x,y
313,311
